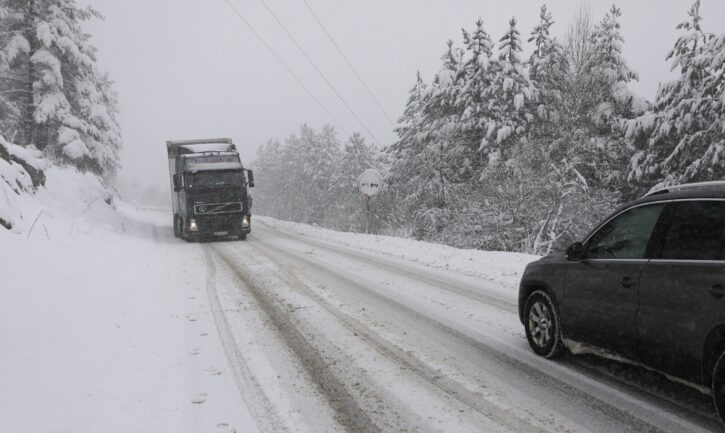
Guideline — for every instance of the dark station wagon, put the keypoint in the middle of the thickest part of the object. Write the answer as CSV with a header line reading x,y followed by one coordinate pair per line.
x,y
646,286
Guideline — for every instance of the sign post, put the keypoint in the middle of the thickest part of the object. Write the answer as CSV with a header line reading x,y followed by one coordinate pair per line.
x,y
369,183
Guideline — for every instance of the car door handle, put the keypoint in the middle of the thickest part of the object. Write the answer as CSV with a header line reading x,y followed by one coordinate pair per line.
x,y
627,282
717,291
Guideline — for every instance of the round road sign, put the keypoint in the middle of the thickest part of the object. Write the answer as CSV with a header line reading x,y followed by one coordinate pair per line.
x,y
369,182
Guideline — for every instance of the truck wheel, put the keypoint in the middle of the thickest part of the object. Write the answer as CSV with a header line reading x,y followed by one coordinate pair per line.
x,y
242,237
718,386
185,235
177,227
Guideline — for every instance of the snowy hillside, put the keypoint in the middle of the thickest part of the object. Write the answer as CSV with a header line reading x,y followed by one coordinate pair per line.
x,y
102,328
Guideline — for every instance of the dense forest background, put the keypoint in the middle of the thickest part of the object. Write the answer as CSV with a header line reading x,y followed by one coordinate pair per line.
x,y
506,152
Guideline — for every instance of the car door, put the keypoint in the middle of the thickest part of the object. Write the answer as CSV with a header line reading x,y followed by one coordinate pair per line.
x,y
682,289
601,300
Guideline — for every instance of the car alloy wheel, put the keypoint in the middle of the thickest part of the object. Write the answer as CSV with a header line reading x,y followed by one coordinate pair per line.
x,y
542,325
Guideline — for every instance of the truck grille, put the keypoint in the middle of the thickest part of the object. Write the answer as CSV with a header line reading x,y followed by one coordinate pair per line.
x,y
217,208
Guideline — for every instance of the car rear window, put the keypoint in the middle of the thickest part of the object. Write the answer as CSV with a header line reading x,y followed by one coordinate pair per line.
x,y
696,232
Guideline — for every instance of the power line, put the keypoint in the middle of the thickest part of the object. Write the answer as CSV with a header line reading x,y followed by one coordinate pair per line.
x,y
349,64
324,77
282,62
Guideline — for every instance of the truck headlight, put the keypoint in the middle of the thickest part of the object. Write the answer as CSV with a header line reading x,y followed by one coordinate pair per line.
x,y
245,220
192,226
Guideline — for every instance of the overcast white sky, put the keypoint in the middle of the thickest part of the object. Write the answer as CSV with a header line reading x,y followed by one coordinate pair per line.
x,y
190,68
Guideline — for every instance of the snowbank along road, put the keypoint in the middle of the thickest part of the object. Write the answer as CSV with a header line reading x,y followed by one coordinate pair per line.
x,y
323,336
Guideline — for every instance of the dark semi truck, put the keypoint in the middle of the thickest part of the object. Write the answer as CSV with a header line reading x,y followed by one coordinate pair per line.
x,y
210,187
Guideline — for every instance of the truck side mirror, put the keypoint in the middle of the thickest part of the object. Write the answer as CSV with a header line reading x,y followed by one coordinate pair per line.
x,y
177,183
250,176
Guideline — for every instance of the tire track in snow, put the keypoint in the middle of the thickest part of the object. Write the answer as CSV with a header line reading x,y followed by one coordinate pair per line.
x,y
641,415
450,387
468,289
249,388
349,414
412,272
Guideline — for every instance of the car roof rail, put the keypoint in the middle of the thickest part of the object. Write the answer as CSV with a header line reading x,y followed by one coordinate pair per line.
x,y
686,186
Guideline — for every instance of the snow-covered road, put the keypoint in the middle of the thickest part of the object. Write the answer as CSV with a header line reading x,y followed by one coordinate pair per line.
x,y
108,323
327,337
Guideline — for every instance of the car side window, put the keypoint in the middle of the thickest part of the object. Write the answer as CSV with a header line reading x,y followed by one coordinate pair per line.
x,y
696,231
626,236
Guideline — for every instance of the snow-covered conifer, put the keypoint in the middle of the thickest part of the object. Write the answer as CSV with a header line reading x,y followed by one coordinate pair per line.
x,y
683,138
611,74
547,66
65,106
511,98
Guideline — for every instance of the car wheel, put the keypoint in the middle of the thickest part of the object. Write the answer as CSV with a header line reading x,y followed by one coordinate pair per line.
x,y
541,320
718,386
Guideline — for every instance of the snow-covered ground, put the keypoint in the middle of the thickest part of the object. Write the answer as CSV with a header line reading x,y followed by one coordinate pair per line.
x,y
105,323
108,323
500,269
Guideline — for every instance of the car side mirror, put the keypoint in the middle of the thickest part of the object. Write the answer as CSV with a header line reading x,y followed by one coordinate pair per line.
x,y
250,176
575,252
177,183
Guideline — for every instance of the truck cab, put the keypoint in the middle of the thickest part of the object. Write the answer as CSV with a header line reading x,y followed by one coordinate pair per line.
x,y
210,197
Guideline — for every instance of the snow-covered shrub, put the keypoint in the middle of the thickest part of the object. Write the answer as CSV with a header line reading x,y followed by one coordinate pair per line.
x,y
21,172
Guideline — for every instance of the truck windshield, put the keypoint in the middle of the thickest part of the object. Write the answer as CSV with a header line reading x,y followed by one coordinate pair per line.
x,y
214,179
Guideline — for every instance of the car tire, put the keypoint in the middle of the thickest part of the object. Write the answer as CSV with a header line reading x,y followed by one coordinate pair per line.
x,y
718,386
542,324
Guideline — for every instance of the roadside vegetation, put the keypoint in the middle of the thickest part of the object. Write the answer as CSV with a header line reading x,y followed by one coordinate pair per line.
x,y
503,151
56,106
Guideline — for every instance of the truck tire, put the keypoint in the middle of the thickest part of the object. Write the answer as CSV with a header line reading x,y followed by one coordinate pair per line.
x,y
177,227
185,235
242,237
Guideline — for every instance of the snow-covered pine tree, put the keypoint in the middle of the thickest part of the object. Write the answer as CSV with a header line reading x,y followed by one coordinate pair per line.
x,y
315,161
608,77
357,156
611,73
480,68
547,66
408,130
96,101
441,158
683,138
65,106
542,39
511,98
404,152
